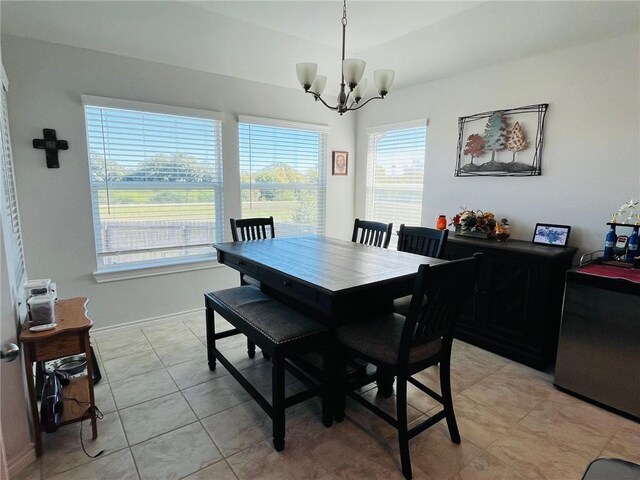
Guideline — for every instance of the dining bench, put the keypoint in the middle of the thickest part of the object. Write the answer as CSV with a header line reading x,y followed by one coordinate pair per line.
x,y
282,333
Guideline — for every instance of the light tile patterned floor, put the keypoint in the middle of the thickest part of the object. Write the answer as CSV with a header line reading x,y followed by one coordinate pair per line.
x,y
168,417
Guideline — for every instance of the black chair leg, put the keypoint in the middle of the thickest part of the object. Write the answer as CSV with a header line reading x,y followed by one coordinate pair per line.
x,y
277,386
447,400
251,348
211,337
403,437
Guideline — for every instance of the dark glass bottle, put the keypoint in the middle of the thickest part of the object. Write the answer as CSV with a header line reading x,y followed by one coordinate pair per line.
x,y
609,242
632,245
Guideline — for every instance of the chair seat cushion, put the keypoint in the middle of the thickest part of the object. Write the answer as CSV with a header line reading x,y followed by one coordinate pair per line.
x,y
276,321
401,305
379,339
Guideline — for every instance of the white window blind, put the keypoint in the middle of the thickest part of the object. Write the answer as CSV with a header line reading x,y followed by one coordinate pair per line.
x,y
395,173
156,181
10,215
282,174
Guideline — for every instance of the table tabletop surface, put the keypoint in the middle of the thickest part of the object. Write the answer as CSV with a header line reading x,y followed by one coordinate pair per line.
x,y
71,315
327,264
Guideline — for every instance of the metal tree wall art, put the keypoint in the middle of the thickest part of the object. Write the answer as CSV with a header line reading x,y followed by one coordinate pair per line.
x,y
474,146
517,140
503,130
495,134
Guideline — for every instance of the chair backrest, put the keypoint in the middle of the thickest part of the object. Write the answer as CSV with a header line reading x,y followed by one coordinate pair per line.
x,y
377,234
252,229
438,293
422,241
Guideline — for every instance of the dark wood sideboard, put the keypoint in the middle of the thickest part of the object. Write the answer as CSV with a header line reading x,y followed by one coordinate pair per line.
x,y
518,305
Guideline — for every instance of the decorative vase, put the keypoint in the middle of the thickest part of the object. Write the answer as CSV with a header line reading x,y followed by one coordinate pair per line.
x,y
502,231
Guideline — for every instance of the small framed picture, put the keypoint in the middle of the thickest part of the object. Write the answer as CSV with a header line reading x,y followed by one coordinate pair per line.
x,y
549,234
340,163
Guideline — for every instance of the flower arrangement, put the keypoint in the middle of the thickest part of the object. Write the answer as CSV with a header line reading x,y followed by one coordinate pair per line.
x,y
470,221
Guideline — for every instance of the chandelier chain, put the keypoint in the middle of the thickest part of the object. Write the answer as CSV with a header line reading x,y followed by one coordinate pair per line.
x,y
344,14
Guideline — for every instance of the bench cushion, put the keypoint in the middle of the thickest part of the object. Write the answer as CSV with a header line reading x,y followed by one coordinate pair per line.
x,y
379,339
279,323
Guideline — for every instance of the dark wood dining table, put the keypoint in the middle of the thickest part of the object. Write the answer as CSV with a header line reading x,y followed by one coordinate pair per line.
x,y
330,279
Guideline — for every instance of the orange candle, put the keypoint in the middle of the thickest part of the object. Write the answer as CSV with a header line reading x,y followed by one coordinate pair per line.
x,y
441,223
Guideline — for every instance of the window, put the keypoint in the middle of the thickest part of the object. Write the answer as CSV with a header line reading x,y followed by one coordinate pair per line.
x,y
156,182
282,174
10,216
395,173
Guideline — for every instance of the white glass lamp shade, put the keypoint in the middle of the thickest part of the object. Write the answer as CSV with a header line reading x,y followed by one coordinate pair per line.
x,y
353,69
359,91
306,74
319,85
383,80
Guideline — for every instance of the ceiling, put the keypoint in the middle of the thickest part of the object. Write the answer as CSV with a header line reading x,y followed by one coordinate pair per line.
x,y
263,40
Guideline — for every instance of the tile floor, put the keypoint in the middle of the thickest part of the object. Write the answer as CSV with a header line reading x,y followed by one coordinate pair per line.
x,y
166,416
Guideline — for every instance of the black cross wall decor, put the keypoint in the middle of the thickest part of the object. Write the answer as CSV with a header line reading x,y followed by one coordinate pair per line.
x,y
51,145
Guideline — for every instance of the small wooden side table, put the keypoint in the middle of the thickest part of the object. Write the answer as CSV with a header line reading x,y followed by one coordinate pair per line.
x,y
70,337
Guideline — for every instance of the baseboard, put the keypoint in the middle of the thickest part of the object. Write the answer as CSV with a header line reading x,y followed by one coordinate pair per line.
x,y
197,313
22,460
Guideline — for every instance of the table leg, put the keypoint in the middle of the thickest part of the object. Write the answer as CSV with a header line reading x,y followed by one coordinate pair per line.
x,y
211,336
329,374
340,385
32,399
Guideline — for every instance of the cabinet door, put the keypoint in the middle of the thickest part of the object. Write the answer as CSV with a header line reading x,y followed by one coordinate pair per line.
x,y
503,315
509,297
468,318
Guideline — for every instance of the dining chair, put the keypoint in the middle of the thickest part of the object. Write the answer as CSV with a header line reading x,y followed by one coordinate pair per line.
x,y
243,230
405,346
252,229
377,234
421,241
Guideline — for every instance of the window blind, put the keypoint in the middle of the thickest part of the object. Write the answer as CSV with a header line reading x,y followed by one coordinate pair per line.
x,y
395,173
282,174
156,182
10,214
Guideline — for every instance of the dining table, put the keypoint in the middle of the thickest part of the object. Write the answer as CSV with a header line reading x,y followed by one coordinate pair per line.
x,y
330,279
334,281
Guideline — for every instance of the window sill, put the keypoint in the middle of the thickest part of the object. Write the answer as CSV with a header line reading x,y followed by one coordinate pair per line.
x,y
140,271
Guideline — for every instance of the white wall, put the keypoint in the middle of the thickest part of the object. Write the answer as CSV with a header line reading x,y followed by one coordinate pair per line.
x,y
591,157
46,83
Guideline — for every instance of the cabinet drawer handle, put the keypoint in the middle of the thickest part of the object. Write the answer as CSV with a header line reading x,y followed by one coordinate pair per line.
x,y
286,283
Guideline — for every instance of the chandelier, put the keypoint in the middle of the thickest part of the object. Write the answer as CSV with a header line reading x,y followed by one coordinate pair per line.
x,y
352,72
